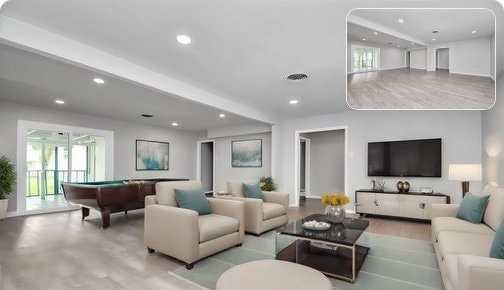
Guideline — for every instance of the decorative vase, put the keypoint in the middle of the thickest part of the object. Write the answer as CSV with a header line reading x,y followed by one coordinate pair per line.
x,y
400,186
406,186
335,213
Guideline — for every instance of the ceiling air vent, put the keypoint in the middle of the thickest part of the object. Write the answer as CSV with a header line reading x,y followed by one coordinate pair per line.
x,y
297,77
435,31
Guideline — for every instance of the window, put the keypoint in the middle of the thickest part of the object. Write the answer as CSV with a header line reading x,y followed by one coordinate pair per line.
x,y
365,58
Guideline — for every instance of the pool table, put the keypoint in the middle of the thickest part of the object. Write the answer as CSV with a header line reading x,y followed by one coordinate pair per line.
x,y
111,196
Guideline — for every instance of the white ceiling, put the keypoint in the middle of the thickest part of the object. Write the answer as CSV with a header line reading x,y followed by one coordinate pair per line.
x,y
37,80
241,51
358,33
452,24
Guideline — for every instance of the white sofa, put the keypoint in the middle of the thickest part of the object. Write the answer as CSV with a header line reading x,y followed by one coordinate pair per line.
x,y
261,214
462,248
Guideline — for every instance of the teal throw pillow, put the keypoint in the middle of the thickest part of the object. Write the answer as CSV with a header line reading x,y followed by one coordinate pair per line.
x,y
252,190
193,199
497,249
472,208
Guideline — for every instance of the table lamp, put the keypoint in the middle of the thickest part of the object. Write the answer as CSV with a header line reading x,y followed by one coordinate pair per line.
x,y
465,173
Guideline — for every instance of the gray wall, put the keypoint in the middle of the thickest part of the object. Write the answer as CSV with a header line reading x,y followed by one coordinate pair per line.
x,y
460,130
182,143
327,162
492,124
418,59
223,169
443,58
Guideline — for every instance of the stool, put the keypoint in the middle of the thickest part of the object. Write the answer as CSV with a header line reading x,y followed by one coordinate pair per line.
x,y
272,275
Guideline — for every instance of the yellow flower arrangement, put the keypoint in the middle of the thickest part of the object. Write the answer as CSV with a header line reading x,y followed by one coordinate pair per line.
x,y
335,198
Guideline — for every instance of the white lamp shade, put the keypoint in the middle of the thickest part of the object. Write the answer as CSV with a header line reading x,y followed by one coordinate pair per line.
x,y
464,172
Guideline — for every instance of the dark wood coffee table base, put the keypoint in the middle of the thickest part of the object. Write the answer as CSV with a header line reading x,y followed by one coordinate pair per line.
x,y
335,262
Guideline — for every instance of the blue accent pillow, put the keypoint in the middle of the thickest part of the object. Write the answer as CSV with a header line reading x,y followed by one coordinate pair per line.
x,y
193,199
252,190
472,208
497,249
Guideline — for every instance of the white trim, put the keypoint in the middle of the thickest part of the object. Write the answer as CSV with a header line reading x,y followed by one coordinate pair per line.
x,y
296,157
42,211
470,74
23,126
307,166
198,161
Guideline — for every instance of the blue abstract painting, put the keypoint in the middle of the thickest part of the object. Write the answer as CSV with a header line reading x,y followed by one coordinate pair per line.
x,y
246,153
152,155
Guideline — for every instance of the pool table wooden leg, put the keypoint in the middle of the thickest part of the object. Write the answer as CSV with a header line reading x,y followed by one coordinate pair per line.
x,y
85,212
105,214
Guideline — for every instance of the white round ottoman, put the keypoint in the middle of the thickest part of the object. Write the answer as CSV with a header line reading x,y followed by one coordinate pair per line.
x,y
272,275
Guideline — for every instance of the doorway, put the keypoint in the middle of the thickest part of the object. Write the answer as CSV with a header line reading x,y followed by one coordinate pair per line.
x,y
206,165
408,56
304,167
327,152
54,154
443,59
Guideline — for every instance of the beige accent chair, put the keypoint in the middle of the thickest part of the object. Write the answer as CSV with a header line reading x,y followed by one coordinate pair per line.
x,y
261,215
185,235
462,248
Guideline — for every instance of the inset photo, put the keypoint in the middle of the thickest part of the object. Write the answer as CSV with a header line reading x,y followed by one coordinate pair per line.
x,y
424,59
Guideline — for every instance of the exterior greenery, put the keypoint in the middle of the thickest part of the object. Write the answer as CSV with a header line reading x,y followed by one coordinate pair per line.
x,y
7,177
267,183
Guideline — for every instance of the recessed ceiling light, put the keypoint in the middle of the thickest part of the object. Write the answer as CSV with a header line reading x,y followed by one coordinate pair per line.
x,y
375,33
363,39
412,43
293,102
474,31
59,102
183,39
398,46
434,39
400,20
174,124
147,115
98,81
222,115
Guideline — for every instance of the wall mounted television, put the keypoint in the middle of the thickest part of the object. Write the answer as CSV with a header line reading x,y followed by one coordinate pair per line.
x,y
411,158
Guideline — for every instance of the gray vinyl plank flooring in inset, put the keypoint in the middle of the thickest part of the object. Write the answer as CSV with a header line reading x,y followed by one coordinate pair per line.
x,y
406,88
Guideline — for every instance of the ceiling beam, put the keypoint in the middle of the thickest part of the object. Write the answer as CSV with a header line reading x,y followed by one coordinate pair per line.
x,y
384,29
36,40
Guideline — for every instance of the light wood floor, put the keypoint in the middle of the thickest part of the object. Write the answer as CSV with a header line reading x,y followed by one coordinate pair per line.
x,y
418,89
58,251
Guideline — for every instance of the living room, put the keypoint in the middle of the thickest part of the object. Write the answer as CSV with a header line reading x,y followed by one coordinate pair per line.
x,y
227,83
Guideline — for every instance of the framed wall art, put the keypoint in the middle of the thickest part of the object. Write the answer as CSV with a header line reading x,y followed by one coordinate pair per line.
x,y
246,153
152,155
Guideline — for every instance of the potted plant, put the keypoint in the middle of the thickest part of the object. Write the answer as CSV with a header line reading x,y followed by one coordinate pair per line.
x,y
7,182
267,183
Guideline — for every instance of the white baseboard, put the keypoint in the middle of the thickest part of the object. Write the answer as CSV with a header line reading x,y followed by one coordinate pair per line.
x,y
469,74
393,68
42,211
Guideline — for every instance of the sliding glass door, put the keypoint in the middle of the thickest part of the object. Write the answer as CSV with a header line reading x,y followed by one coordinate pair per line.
x,y
54,154
365,58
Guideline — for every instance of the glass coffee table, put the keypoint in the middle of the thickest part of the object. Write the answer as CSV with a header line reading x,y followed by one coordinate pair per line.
x,y
333,252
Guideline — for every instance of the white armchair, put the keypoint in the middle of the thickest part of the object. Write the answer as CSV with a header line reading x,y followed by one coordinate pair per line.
x,y
185,235
264,214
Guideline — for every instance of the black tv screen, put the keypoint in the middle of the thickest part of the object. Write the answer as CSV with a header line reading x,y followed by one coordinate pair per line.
x,y
412,158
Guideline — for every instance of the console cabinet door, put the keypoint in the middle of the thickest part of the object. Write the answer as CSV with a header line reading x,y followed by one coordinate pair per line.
x,y
387,204
411,206
429,200
365,202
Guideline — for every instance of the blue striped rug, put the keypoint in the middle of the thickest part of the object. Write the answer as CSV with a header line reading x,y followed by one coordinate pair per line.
x,y
392,263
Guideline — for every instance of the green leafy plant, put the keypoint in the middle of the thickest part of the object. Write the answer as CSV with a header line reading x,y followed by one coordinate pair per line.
x,y
267,183
7,177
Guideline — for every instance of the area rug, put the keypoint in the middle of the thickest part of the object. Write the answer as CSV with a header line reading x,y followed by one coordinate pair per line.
x,y
392,263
